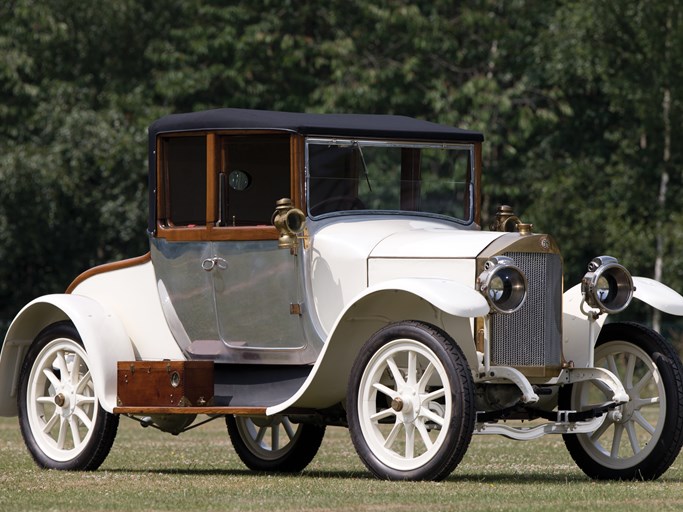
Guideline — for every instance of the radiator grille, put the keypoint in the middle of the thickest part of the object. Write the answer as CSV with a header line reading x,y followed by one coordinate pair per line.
x,y
532,335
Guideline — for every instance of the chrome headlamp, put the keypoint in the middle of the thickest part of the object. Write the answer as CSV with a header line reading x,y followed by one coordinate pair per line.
x,y
607,285
503,284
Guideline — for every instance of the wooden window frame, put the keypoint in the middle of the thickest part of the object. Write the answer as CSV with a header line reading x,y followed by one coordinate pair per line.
x,y
209,231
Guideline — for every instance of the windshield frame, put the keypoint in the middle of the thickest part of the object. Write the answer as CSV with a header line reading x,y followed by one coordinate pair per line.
x,y
471,175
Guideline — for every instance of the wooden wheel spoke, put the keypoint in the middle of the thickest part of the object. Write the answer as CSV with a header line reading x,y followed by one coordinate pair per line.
x,y
49,424
630,369
275,437
597,434
612,365
424,434
289,428
410,440
640,420
391,393
426,375
616,440
393,434
49,374
395,372
74,371
431,416
61,436
632,437
646,402
411,379
75,433
638,388
85,419
385,413
434,395
260,434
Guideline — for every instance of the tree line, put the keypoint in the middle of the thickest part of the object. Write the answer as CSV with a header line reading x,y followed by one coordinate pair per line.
x,y
581,104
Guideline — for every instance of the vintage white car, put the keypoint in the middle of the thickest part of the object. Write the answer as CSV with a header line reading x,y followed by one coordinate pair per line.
x,y
308,270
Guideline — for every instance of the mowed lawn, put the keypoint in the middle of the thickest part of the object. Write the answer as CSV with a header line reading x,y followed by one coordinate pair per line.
x,y
149,470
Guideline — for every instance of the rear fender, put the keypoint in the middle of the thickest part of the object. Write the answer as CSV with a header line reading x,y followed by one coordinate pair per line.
x,y
446,304
103,336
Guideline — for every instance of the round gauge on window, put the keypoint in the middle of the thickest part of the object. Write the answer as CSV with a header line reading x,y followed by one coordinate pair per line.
x,y
239,180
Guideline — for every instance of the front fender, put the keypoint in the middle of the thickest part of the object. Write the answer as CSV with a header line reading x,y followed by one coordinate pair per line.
x,y
658,295
103,336
580,334
446,304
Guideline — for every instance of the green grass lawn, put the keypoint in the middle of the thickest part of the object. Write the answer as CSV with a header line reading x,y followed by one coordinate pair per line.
x,y
150,470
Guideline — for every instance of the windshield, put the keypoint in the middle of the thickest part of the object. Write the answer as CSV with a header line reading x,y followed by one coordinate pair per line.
x,y
351,175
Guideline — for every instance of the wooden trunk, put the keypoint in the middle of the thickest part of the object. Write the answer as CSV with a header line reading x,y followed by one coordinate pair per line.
x,y
165,383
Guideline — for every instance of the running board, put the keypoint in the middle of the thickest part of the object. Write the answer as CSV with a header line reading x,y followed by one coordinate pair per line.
x,y
220,411
210,410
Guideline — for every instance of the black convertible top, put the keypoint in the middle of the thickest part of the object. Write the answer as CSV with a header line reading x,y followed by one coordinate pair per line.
x,y
348,125
325,125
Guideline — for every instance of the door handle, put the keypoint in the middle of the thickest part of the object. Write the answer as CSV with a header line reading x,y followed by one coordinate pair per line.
x,y
209,263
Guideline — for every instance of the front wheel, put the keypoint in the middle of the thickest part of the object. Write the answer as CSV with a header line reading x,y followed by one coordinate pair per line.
x,y
61,420
410,403
274,443
642,438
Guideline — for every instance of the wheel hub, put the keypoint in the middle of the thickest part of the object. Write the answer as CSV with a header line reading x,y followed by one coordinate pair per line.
x,y
407,404
66,400
60,400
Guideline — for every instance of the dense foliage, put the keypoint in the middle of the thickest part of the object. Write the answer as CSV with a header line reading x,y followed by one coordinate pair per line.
x,y
581,103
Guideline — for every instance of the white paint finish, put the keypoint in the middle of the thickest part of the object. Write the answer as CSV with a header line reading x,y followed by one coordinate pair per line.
x,y
408,298
450,297
340,252
462,271
658,295
435,242
103,335
131,293
578,333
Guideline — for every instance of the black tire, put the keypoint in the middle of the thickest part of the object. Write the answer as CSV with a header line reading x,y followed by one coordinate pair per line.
x,y
646,439
257,441
47,396
410,403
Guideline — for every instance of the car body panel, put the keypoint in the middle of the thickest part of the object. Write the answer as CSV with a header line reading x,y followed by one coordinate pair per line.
x,y
101,330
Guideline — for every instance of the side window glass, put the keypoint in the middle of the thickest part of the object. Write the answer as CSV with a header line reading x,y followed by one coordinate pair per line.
x,y
255,174
184,169
334,178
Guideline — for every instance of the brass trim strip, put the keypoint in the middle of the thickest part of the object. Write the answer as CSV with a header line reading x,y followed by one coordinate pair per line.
x,y
109,267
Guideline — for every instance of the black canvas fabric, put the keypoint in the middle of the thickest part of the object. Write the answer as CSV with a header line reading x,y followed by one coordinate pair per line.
x,y
366,125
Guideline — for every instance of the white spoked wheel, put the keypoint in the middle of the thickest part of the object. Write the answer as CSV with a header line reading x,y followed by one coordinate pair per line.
x,y
641,438
62,422
274,443
410,403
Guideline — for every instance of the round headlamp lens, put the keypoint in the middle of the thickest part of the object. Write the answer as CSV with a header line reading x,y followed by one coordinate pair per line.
x,y
499,288
605,289
607,286
504,285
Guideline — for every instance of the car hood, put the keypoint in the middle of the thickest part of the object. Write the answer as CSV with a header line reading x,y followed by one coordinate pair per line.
x,y
434,242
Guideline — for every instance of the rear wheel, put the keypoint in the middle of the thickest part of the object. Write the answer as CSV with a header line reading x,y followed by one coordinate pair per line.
x,y
410,403
640,439
61,420
274,443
